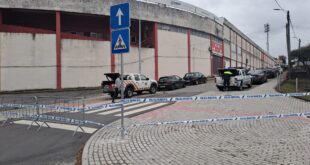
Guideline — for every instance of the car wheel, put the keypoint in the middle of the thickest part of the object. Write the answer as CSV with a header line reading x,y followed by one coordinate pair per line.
x,y
129,92
183,85
153,89
250,85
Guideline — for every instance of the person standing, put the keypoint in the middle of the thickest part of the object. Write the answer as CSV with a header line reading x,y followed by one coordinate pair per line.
x,y
226,78
116,88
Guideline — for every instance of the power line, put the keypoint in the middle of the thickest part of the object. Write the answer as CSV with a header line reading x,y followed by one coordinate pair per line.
x,y
279,5
291,23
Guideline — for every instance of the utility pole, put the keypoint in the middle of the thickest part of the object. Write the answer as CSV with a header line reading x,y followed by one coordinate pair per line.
x,y
299,42
267,29
140,37
288,40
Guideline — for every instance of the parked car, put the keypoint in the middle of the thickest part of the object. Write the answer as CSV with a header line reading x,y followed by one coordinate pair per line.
x,y
271,73
171,82
258,76
238,79
195,78
133,82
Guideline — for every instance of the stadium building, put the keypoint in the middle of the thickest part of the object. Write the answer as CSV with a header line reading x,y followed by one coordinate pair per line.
x,y
54,44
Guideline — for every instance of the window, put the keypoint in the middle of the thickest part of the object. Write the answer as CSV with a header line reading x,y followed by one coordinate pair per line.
x,y
137,78
143,78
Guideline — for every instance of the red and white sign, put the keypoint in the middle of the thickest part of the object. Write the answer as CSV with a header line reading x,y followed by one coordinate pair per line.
x,y
217,47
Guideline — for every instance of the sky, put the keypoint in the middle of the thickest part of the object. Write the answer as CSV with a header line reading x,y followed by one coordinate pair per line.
x,y
250,16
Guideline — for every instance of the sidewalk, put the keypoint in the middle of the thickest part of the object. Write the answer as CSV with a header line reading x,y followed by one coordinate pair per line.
x,y
265,141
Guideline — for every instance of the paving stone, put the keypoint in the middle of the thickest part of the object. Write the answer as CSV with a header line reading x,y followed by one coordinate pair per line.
x,y
265,141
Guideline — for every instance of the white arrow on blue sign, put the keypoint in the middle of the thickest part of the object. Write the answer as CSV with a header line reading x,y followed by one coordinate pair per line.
x,y
120,41
120,16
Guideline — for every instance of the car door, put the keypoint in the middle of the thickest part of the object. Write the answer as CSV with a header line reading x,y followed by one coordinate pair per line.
x,y
145,82
246,78
178,81
138,81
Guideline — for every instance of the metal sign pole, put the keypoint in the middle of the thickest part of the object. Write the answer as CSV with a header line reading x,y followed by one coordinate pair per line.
x,y
122,97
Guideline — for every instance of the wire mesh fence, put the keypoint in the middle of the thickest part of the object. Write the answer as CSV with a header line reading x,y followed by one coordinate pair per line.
x,y
43,110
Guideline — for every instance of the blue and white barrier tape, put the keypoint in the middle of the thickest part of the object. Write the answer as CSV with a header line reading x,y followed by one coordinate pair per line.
x,y
225,119
16,115
206,98
156,100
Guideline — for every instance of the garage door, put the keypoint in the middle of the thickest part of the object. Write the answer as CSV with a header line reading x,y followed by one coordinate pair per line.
x,y
216,64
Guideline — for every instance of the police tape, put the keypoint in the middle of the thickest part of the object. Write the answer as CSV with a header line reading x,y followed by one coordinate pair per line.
x,y
225,97
59,119
104,107
223,119
63,108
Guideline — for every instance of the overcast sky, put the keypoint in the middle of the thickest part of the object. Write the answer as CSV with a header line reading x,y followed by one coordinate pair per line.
x,y
251,15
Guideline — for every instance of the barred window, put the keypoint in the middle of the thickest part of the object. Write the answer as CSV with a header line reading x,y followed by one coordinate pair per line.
x,y
172,28
200,34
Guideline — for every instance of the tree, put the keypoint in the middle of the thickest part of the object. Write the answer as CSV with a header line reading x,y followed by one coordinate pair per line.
x,y
283,59
303,56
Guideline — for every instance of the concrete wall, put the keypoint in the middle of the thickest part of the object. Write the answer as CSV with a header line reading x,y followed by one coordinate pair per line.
x,y
27,61
149,11
131,62
84,62
172,53
227,49
200,55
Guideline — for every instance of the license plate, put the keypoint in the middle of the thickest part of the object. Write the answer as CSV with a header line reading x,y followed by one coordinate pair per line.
x,y
162,86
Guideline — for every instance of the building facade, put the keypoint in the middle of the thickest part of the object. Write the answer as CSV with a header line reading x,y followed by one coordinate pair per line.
x,y
48,44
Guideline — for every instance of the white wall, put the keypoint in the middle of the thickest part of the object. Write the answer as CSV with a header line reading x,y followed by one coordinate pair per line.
x,y
233,63
131,64
226,50
84,62
200,55
28,61
172,53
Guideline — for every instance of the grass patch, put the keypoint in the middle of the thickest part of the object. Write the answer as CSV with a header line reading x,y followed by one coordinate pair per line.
x,y
289,86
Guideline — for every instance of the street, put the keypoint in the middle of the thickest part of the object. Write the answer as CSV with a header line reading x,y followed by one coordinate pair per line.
x,y
50,145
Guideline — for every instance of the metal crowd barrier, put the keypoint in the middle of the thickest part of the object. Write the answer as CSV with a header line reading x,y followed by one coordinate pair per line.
x,y
43,110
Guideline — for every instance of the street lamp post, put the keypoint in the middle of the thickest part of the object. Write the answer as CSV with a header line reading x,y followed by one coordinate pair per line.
x,y
288,40
140,37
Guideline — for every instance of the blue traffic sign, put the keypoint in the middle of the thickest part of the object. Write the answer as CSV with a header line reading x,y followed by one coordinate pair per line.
x,y
120,16
120,41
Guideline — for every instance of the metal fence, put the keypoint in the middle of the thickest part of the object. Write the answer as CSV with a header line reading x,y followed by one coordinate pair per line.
x,y
43,110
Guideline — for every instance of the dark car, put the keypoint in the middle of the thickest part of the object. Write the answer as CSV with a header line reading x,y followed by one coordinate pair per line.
x,y
171,82
271,73
195,78
258,76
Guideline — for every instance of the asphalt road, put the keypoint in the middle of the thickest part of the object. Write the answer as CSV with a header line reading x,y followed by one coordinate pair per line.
x,y
54,146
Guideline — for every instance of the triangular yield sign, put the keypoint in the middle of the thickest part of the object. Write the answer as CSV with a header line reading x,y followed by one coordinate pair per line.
x,y
120,44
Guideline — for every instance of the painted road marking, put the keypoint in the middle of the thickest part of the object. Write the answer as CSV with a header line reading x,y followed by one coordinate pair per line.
x,y
67,127
125,108
143,109
105,109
